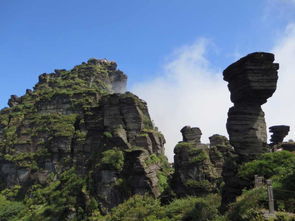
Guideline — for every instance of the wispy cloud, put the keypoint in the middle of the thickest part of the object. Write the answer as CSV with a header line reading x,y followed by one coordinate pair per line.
x,y
189,92
280,108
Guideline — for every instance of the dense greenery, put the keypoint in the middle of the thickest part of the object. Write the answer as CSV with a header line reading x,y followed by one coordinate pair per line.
x,y
146,208
40,128
280,168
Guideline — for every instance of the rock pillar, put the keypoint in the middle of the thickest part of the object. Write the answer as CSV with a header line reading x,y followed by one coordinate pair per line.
x,y
251,81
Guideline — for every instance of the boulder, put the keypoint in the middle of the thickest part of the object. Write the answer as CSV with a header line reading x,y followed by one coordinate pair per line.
x,y
279,132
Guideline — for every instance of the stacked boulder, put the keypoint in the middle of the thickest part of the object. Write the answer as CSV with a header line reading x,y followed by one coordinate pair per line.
x,y
251,81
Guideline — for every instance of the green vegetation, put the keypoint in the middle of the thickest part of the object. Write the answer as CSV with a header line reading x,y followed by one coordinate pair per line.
x,y
62,198
9,209
203,186
199,155
26,159
249,206
280,168
107,134
270,165
146,208
112,159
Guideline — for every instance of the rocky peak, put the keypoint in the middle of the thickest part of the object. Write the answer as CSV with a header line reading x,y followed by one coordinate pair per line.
x,y
77,119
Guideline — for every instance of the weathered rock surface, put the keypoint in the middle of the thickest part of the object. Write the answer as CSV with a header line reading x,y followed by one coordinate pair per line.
x,y
251,81
78,119
279,132
191,134
195,174
247,130
220,150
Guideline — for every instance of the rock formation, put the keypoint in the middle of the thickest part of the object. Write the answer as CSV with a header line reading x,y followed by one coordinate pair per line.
x,y
220,150
191,134
251,81
197,167
76,119
278,133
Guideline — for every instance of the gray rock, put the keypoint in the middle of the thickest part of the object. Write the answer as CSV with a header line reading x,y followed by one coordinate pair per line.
x,y
191,134
279,132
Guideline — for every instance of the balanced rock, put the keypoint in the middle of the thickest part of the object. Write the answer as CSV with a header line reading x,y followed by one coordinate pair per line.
x,y
191,134
279,132
251,81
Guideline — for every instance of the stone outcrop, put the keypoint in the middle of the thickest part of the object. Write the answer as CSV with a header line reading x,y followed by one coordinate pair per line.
x,y
191,134
279,132
77,119
195,174
251,81
220,150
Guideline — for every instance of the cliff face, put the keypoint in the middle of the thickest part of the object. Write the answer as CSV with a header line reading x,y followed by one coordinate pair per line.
x,y
82,119
198,167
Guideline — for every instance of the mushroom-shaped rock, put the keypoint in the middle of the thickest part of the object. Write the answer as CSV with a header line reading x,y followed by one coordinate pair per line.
x,y
191,134
279,132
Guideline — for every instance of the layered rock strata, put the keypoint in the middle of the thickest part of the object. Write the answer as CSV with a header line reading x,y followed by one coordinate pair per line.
x,y
198,167
76,119
251,81
279,132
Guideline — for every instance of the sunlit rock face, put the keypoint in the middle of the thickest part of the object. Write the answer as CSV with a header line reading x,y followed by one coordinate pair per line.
x,y
83,119
251,81
198,167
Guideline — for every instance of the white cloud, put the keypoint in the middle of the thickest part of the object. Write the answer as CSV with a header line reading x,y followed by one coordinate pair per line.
x,y
280,108
188,92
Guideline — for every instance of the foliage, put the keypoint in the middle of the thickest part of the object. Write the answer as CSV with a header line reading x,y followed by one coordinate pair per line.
x,y
199,155
146,208
249,205
9,209
280,168
201,186
279,163
138,208
112,159
64,199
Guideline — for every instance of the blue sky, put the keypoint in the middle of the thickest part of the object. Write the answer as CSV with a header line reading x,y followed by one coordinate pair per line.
x,y
40,36
145,37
